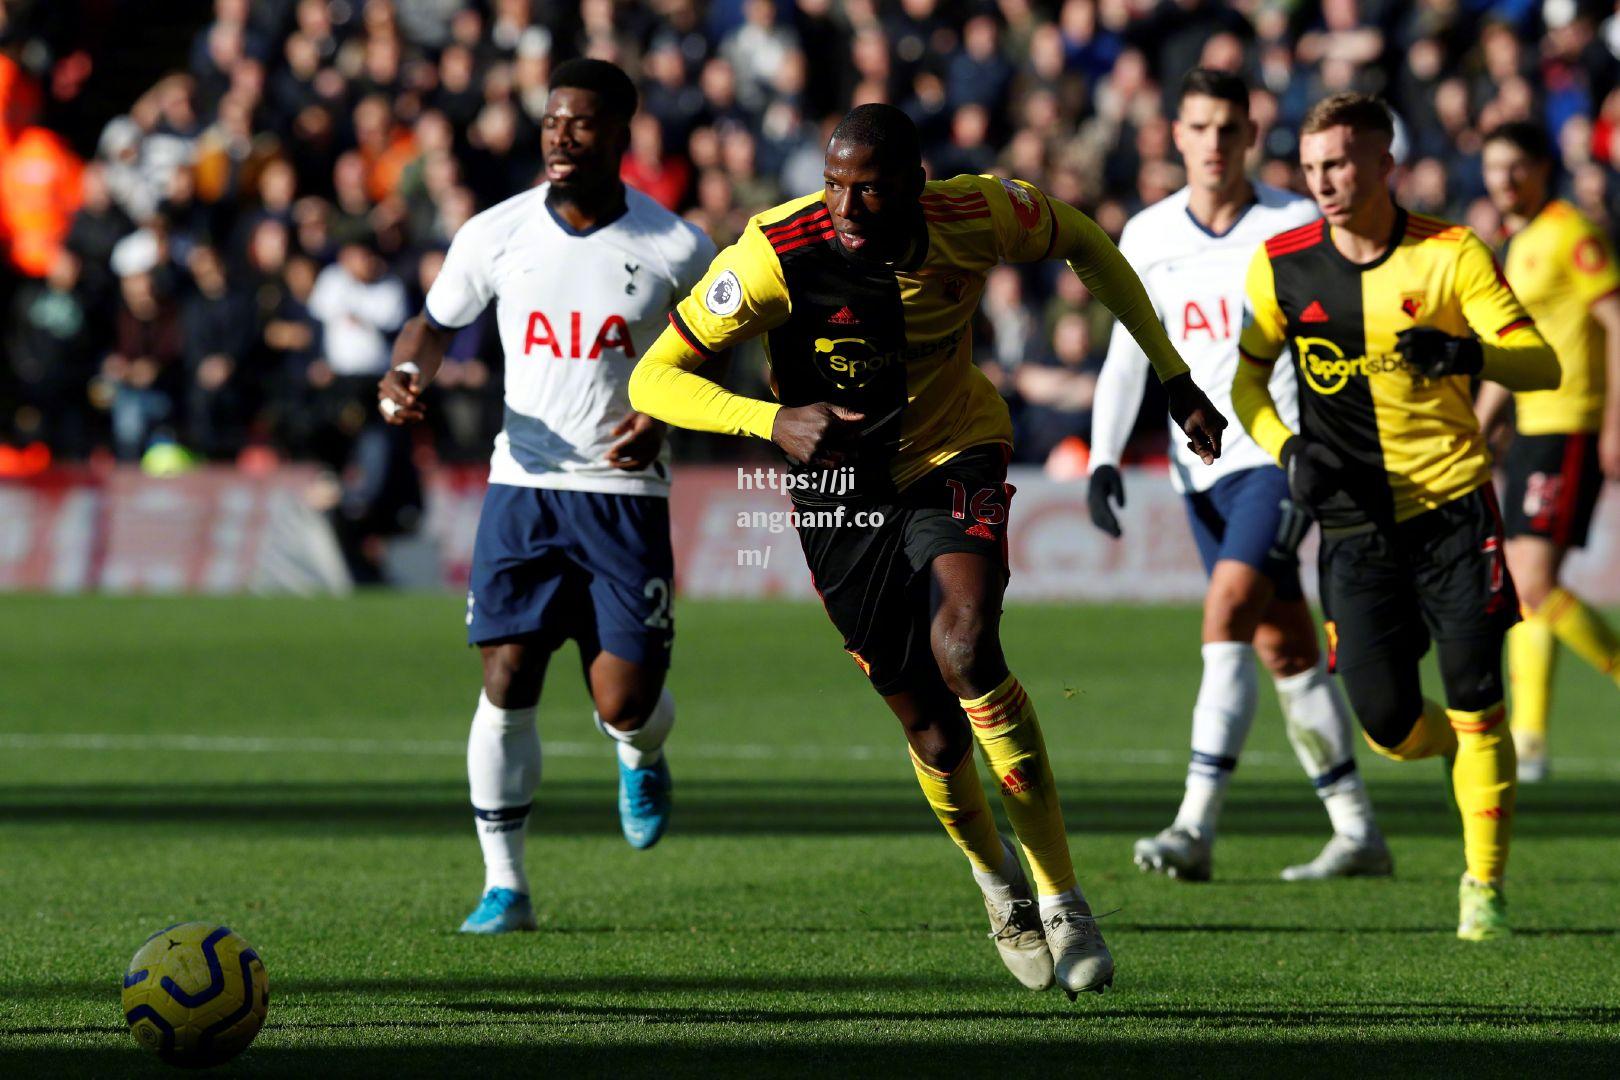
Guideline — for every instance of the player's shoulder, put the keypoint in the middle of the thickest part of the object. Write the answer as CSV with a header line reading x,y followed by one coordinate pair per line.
x,y
1170,210
1296,240
788,227
967,198
1571,222
656,226
1426,229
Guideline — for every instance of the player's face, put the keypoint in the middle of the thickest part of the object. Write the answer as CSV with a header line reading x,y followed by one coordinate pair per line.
x,y
872,203
580,141
1515,181
1345,171
1212,136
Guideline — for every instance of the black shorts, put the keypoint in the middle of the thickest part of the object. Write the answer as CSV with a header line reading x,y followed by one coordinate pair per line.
x,y
1387,590
873,579
1553,483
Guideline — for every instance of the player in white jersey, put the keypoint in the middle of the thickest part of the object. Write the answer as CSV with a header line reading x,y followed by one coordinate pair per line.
x,y
1192,251
573,539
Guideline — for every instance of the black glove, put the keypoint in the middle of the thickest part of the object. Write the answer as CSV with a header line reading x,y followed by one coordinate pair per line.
x,y
1106,484
1434,354
1315,472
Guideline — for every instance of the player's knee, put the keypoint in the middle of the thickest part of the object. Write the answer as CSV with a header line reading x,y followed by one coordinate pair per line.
x,y
1533,590
1471,671
623,707
940,746
962,651
510,681
1385,707
1231,612
1288,659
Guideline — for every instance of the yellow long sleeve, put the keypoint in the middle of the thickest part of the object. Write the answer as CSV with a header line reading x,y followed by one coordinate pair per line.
x,y
1521,359
665,385
1252,401
1098,263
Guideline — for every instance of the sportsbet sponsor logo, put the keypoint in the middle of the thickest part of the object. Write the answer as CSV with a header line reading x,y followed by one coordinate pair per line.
x,y
850,363
1325,367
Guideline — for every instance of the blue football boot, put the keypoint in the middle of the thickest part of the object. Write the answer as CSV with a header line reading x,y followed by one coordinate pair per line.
x,y
501,911
644,803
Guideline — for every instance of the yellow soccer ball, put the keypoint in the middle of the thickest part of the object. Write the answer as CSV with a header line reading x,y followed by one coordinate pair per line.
x,y
195,994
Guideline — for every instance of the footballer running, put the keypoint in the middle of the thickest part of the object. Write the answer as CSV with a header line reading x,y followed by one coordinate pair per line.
x,y
1191,250
1561,266
573,538
864,292
1390,315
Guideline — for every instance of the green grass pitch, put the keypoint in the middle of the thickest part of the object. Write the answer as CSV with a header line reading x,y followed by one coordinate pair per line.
x,y
294,768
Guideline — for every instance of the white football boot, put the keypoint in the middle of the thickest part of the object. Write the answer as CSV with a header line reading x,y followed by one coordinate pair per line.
x,y
1345,856
1179,852
1015,927
1081,962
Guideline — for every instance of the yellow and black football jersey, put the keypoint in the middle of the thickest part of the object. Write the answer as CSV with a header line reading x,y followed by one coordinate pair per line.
x,y
1412,444
1559,265
893,344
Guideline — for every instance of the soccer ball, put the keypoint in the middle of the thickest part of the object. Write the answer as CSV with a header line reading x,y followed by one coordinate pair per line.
x,y
195,994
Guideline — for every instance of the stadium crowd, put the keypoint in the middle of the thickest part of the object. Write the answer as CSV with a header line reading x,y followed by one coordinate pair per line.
x,y
226,270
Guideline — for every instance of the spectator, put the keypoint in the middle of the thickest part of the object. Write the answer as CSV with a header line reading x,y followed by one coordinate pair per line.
x,y
51,347
220,327
142,374
39,194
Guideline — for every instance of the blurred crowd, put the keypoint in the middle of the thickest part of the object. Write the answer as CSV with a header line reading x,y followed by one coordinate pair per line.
x,y
222,270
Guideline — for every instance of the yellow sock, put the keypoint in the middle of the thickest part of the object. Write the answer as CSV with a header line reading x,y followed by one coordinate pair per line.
x,y
1431,734
958,799
1583,630
1532,658
1010,737
1483,780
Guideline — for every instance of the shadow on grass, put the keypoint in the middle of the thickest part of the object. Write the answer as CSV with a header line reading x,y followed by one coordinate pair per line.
x,y
1091,1050
708,807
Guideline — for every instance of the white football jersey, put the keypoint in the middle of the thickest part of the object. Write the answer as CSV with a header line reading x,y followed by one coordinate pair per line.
x,y
575,311
1195,279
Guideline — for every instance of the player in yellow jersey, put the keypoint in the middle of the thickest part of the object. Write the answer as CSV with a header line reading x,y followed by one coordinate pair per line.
x,y
1561,266
1390,315
864,293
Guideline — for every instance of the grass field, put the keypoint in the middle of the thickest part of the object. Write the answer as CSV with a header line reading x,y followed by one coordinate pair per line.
x,y
294,768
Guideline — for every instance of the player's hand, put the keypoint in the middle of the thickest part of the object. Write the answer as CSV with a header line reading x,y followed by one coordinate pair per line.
x,y
642,439
1315,472
399,397
1435,354
819,434
1196,416
1106,487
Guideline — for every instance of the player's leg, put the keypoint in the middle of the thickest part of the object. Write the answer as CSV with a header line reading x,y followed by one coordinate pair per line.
x,y
879,603
941,749
518,592
1533,648
1321,732
1469,602
625,636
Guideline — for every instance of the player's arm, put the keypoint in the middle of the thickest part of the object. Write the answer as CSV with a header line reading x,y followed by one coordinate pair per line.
x,y
1110,278
1117,399
1491,404
743,295
459,295
1506,347
1314,470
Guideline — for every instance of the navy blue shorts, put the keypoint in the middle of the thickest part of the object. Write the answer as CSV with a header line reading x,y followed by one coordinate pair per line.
x,y
1240,518
574,564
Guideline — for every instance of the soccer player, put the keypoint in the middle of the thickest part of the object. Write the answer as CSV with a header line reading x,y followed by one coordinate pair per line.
x,y
864,292
573,540
1561,266
1191,250
1389,315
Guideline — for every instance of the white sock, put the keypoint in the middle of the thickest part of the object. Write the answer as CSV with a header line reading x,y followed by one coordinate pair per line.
x,y
1222,717
998,884
644,746
503,770
1051,905
1321,731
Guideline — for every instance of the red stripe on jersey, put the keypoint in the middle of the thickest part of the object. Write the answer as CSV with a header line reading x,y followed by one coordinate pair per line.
x,y
1293,240
795,223
805,241
794,228
1514,325
940,196
675,321
788,241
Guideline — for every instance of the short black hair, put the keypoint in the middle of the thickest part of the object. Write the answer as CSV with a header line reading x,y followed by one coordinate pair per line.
x,y
1532,140
1220,85
607,81
886,129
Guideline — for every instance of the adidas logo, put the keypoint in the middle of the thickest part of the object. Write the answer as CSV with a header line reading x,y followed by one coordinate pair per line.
x,y
1314,312
843,317
981,531
1015,782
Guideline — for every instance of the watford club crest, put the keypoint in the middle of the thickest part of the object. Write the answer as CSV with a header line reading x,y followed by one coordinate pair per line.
x,y
1023,203
1412,304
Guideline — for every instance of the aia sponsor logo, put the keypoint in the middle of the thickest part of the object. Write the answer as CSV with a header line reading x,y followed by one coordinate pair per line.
x,y
614,333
